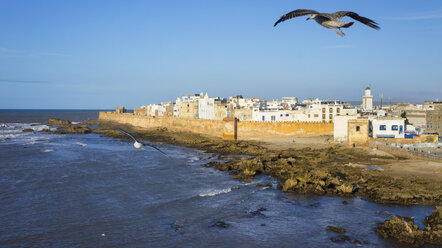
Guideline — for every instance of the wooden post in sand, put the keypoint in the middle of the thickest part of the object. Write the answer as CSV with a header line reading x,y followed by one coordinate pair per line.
x,y
230,128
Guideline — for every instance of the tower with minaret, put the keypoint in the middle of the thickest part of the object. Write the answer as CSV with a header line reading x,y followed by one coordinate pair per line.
x,y
367,100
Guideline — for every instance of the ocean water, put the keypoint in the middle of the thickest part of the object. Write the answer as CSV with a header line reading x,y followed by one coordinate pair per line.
x,y
93,191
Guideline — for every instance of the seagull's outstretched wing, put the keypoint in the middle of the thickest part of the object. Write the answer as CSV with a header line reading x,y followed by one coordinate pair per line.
x,y
357,17
156,148
144,144
127,133
296,13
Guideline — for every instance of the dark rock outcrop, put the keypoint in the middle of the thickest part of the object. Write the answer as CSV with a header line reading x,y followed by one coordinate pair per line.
x,y
74,129
58,122
336,229
403,229
220,224
28,130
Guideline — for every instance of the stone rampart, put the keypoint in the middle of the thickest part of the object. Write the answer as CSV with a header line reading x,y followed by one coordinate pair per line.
x,y
270,130
207,127
246,130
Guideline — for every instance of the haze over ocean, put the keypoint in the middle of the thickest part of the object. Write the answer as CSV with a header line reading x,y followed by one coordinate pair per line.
x,y
98,54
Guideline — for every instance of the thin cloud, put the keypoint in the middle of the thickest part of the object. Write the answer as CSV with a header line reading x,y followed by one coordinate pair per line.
x,y
5,52
420,16
23,81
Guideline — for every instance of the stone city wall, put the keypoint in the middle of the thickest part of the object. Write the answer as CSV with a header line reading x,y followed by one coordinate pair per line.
x,y
246,130
270,130
207,127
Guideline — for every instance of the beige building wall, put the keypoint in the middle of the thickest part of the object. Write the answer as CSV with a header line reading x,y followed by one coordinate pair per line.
x,y
243,114
189,110
358,132
169,110
220,110
340,130
417,118
434,120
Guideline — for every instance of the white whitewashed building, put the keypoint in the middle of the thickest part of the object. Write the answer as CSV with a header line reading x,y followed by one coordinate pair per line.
x,y
388,127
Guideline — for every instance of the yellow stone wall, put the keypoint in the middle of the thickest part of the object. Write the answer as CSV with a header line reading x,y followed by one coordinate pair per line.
x,y
358,132
247,130
269,130
207,127
140,111
424,138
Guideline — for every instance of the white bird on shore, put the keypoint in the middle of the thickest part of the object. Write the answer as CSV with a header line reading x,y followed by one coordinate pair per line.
x,y
137,143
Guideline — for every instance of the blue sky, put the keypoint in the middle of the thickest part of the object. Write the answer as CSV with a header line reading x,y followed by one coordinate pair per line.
x,y
99,54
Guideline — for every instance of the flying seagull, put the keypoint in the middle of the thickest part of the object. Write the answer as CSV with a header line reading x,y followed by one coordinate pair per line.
x,y
332,20
138,144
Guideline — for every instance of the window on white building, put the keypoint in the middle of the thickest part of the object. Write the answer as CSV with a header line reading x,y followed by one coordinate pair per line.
x,y
383,127
394,128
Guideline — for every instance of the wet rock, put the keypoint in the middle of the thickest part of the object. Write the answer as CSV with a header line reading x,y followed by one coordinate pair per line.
x,y
258,212
264,185
220,224
357,242
316,204
58,122
336,229
74,129
28,130
345,202
340,238
289,184
402,228
178,227
345,189
434,221
45,130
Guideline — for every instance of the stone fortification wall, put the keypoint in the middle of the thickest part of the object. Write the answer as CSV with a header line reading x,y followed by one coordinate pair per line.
x,y
269,130
245,129
207,127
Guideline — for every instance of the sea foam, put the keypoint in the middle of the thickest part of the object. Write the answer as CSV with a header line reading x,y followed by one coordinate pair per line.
x,y
216,192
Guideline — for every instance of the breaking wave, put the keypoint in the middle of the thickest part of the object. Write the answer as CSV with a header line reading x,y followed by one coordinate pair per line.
x,y
216,192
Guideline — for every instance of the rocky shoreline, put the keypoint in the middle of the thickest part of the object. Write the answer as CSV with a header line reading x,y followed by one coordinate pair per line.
x,y
323,171
403,229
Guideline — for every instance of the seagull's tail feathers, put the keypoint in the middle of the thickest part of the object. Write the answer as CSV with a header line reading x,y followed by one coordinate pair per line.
x,y
347,25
